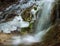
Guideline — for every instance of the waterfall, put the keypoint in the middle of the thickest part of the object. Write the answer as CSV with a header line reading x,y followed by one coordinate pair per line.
x,y
44,20
43,24
42,27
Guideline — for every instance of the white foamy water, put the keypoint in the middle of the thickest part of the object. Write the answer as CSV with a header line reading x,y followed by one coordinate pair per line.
x,y
29,39
26,40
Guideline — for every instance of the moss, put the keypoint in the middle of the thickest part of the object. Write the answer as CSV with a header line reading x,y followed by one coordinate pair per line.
x,y
28,29
26,15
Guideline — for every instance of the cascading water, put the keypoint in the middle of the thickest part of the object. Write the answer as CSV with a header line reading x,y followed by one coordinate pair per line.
x,y
42,25
44,21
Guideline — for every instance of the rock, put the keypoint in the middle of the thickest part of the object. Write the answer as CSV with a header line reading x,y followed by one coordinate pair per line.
x,y
6,3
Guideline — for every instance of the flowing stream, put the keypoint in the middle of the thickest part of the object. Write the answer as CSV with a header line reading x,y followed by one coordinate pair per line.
x,y
43,24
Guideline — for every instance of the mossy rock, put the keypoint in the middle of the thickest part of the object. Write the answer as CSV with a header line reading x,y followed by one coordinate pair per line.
x,y
28,29
26,15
